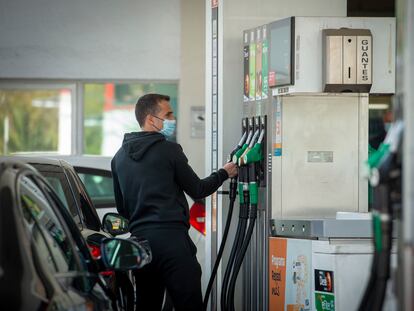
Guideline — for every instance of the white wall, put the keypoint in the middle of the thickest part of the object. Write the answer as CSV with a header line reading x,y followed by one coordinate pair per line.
x,y
191,89
93,39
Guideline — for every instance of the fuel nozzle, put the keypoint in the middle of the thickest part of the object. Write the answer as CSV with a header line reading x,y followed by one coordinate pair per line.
x,y
254,154
239,152
251,159
244,142
249,146
238,147
232,156
244,170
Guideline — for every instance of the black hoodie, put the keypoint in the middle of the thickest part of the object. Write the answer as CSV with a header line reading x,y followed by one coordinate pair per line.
x,y
150,176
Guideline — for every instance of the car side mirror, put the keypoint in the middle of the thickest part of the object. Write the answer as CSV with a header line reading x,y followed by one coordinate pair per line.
x,y
121,255
115,224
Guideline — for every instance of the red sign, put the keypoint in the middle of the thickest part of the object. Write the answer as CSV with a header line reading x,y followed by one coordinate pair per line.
x,y
198,217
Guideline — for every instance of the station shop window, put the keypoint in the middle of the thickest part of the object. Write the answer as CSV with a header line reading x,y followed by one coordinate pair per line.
x,y
35,119
109,112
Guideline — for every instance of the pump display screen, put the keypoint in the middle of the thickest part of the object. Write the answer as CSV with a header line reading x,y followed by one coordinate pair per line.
x,y
281,57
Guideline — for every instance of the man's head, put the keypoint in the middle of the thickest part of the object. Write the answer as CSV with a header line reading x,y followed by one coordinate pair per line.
x,y
151,110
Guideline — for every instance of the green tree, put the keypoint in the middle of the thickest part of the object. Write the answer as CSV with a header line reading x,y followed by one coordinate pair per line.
x,y
32,127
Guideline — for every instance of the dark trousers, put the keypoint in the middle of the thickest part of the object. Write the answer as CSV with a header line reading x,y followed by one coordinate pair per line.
x,y
174,267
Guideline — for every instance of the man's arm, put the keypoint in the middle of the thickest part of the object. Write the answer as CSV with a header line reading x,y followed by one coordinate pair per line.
x,y
188,180
119,200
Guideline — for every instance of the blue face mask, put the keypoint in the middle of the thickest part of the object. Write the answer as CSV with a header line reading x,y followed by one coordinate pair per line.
x,y
168,127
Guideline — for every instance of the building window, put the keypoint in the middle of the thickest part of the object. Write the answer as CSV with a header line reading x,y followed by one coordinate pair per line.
x,y
35,119
109,112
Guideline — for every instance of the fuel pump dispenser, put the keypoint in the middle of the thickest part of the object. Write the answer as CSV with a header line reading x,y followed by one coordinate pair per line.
x,y
304,234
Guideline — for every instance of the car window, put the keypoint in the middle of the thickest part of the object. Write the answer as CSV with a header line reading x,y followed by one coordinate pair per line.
x,y
99,185
50,240
88,211
57,186
61,187
59,183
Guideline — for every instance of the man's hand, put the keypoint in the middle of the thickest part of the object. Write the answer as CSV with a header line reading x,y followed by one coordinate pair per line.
x,y
231,169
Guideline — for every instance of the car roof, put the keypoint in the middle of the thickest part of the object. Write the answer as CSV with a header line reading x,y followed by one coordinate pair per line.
x,y
33,159
96,162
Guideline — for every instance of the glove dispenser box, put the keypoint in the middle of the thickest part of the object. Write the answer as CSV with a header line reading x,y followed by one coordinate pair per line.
x,y
347,60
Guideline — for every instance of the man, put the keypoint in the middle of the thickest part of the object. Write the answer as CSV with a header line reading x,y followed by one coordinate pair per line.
x,y
150,176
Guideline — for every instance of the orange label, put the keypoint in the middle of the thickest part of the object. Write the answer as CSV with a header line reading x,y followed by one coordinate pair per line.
x,y
277,273
295,307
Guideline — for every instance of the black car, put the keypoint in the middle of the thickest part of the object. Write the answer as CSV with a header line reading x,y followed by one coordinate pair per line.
x,y
45,262
71,191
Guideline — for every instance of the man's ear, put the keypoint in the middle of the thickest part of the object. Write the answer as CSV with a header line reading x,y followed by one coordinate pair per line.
x,y
146,123
149,119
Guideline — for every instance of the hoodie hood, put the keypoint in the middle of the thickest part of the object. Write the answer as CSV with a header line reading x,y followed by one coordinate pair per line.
x,y
136,144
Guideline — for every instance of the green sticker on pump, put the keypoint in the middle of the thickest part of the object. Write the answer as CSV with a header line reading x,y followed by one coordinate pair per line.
x,y
324,302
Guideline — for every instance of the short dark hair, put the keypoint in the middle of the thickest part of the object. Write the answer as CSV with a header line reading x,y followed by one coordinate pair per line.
x,y
148,104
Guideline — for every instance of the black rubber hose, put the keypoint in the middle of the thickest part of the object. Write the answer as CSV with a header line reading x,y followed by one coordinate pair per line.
x,y
232,196
219,255
241,229
240,257
383,271
381,286
373,298
366,301
238,240
244,216
367,298
374,295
